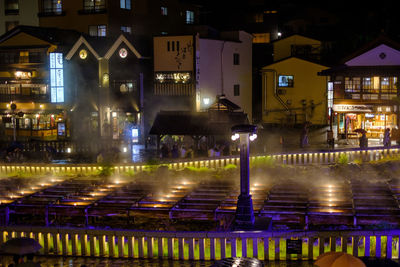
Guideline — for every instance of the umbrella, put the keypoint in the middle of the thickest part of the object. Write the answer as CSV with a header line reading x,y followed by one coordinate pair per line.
x,y
338,259
20,246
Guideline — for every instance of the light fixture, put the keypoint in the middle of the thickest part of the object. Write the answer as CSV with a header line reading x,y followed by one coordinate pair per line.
x,y
114,114
41,105
123,53
235,137
206,100
69,150
83,54
253,137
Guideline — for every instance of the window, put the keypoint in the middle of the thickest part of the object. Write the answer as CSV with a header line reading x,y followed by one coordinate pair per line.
x,y
352,84
127,29
125,4
94,5
9,57
11,25
127,86
173,46
168,46
236,59
164,11
98,30
236,89
189,17
52,6
11,7
388,83
285,80
259,18
371,84
24,57
261,38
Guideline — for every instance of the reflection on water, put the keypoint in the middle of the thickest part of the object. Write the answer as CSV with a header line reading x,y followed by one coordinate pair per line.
x,y
99,262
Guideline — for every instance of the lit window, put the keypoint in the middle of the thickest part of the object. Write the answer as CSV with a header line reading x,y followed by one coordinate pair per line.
x,y
259,18
98,30
236,59
261,38
164,11
125,4
127,29
189,17
94,5
236,89
285,81
11,7
52,6
24,57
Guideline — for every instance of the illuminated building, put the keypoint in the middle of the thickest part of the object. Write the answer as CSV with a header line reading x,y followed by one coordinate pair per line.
x,y
191,71
362,92
18,12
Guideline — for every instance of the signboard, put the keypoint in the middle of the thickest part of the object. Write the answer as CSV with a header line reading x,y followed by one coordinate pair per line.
x,y
293,246
61,129
56,77
353,108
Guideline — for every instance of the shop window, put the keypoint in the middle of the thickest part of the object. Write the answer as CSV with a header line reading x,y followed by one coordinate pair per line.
x,y
371,84
11,7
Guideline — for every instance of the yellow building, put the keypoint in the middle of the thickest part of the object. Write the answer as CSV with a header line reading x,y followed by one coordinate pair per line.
x,y
293,93
297,45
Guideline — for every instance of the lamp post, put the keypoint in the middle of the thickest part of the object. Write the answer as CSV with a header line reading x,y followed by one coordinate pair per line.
x,y
13,108
244,216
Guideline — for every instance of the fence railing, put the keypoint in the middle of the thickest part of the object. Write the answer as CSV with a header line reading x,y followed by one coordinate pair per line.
x,y
288,159
205,245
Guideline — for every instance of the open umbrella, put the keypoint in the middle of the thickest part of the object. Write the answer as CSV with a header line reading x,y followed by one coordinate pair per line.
x,y
20,246
338,259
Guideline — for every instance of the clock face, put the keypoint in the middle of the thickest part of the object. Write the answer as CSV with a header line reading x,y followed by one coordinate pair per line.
x,y
83,54
123,53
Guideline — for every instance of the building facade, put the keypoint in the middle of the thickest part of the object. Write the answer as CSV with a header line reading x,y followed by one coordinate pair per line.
x,y
191,71
292,94
18,12
363,91
109,18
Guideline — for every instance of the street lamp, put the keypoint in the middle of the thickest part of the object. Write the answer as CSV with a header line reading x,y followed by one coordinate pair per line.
x,y
244,216
13,108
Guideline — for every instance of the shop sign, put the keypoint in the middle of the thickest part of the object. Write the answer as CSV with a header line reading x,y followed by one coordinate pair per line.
x,y
353,108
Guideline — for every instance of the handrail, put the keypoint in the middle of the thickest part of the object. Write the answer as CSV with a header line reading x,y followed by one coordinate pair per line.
x,y
263,245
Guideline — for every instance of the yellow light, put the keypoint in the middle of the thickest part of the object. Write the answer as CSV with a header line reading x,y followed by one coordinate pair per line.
x,y
41,106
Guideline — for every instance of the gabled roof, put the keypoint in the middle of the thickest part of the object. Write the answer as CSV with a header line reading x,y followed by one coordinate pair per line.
x,y
74,49
122,39
60,37
292,57
293,36
382,39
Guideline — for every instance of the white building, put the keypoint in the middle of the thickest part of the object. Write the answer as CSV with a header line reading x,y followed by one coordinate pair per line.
x,y
201,69
18,12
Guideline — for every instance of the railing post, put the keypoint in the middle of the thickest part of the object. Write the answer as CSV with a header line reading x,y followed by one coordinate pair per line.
x,y
378,252
244,247
201,249
266,248
277,249
367,246
255,247
160,245
191,248
389,247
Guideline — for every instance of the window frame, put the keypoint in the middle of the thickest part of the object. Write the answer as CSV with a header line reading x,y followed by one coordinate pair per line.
x,y
189,17
11,11
236,59
236,90
125,4
289,83
98,30
54,9
164,11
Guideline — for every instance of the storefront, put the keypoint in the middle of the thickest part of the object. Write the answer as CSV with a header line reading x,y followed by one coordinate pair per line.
x,y
372,118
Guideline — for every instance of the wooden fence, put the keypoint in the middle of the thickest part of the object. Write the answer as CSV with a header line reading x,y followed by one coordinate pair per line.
x,y
205,245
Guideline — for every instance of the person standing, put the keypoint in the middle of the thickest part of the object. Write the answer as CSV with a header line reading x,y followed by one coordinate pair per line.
x,y
386,138
304,136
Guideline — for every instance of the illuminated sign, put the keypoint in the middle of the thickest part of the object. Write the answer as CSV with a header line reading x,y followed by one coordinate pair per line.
x,y
174,77
56,77
83,54
352,108
123,53
135,135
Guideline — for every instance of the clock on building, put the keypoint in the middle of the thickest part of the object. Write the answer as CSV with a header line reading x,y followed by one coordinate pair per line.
x,y
83,54
123,53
